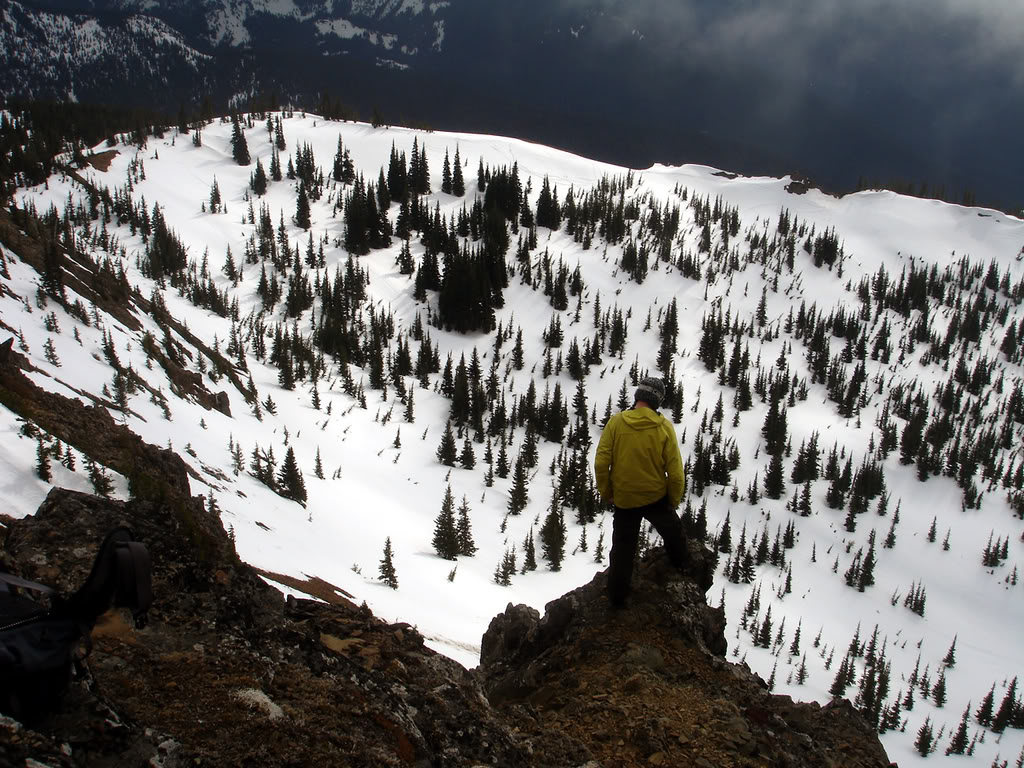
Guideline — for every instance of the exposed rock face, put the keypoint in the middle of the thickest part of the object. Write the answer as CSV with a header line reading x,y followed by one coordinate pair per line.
x,y
649,684
230,674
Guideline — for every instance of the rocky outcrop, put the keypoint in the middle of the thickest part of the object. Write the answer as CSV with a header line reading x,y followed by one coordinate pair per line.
x,y
649,684
229,673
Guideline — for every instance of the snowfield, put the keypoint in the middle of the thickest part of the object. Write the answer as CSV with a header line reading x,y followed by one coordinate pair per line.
x,y
372,490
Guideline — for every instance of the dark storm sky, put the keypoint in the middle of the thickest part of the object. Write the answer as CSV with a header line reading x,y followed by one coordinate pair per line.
x,y
925,89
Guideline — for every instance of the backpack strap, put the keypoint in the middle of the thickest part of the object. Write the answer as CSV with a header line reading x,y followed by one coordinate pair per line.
x,y
9,580
134,580
121,574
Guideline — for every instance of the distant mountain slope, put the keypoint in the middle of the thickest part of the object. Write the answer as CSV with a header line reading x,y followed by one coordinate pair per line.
x,y
78,57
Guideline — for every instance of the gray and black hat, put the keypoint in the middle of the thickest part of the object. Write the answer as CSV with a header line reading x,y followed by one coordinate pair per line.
x,y
651,390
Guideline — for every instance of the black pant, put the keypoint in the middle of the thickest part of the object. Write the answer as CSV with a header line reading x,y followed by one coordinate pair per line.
x,y
626,534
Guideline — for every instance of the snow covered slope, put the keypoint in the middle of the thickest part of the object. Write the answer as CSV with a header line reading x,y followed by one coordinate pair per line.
x,y
730,241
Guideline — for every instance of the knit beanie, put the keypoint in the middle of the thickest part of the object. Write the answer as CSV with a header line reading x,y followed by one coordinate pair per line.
x,y
651,390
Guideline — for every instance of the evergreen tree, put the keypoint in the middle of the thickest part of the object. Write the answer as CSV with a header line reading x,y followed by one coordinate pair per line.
x,y
239,146
290,481
458,183
518,493
275,165
1007,709
503,572
939,690
215,196
446,536
841,680
725,535
467,458
529,553
774,482
502,468
950,658
302,208
958,744
446,175
338,171
386,572
410,415
464,531
43,461
98,477
984,714
53,272
925,738
866,577
552,537
447,452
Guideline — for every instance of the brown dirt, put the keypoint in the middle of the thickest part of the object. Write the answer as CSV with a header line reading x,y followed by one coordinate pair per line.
x,y
101,160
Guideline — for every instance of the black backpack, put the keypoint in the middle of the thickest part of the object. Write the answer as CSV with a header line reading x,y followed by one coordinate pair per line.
x,y
39,645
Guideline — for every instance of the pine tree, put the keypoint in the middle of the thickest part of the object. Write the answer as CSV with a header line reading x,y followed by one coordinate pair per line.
x,y
529,553
518,493
939,690
386,572
467,458
43,461
239,146
925,737
215,196
446,175
464,531
505,569
764,633
258,180
801,672
410,415
458,183
502,468
447,452
1007,709
302,219
866,577
950,659
841,680
290,481
774,482
958,744
552,538
984,714
275,165
725,535
99,478
318,470
446,536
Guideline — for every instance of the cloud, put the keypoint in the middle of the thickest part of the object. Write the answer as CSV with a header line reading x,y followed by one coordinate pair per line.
x,y
926,39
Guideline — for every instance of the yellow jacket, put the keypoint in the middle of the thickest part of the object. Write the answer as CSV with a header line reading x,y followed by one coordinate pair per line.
x,y
637,461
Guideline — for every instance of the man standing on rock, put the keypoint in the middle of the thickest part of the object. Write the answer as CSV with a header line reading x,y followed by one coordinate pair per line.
x,y
640,471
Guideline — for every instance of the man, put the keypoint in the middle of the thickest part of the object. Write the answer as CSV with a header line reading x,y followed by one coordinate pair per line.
x,y
640,471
